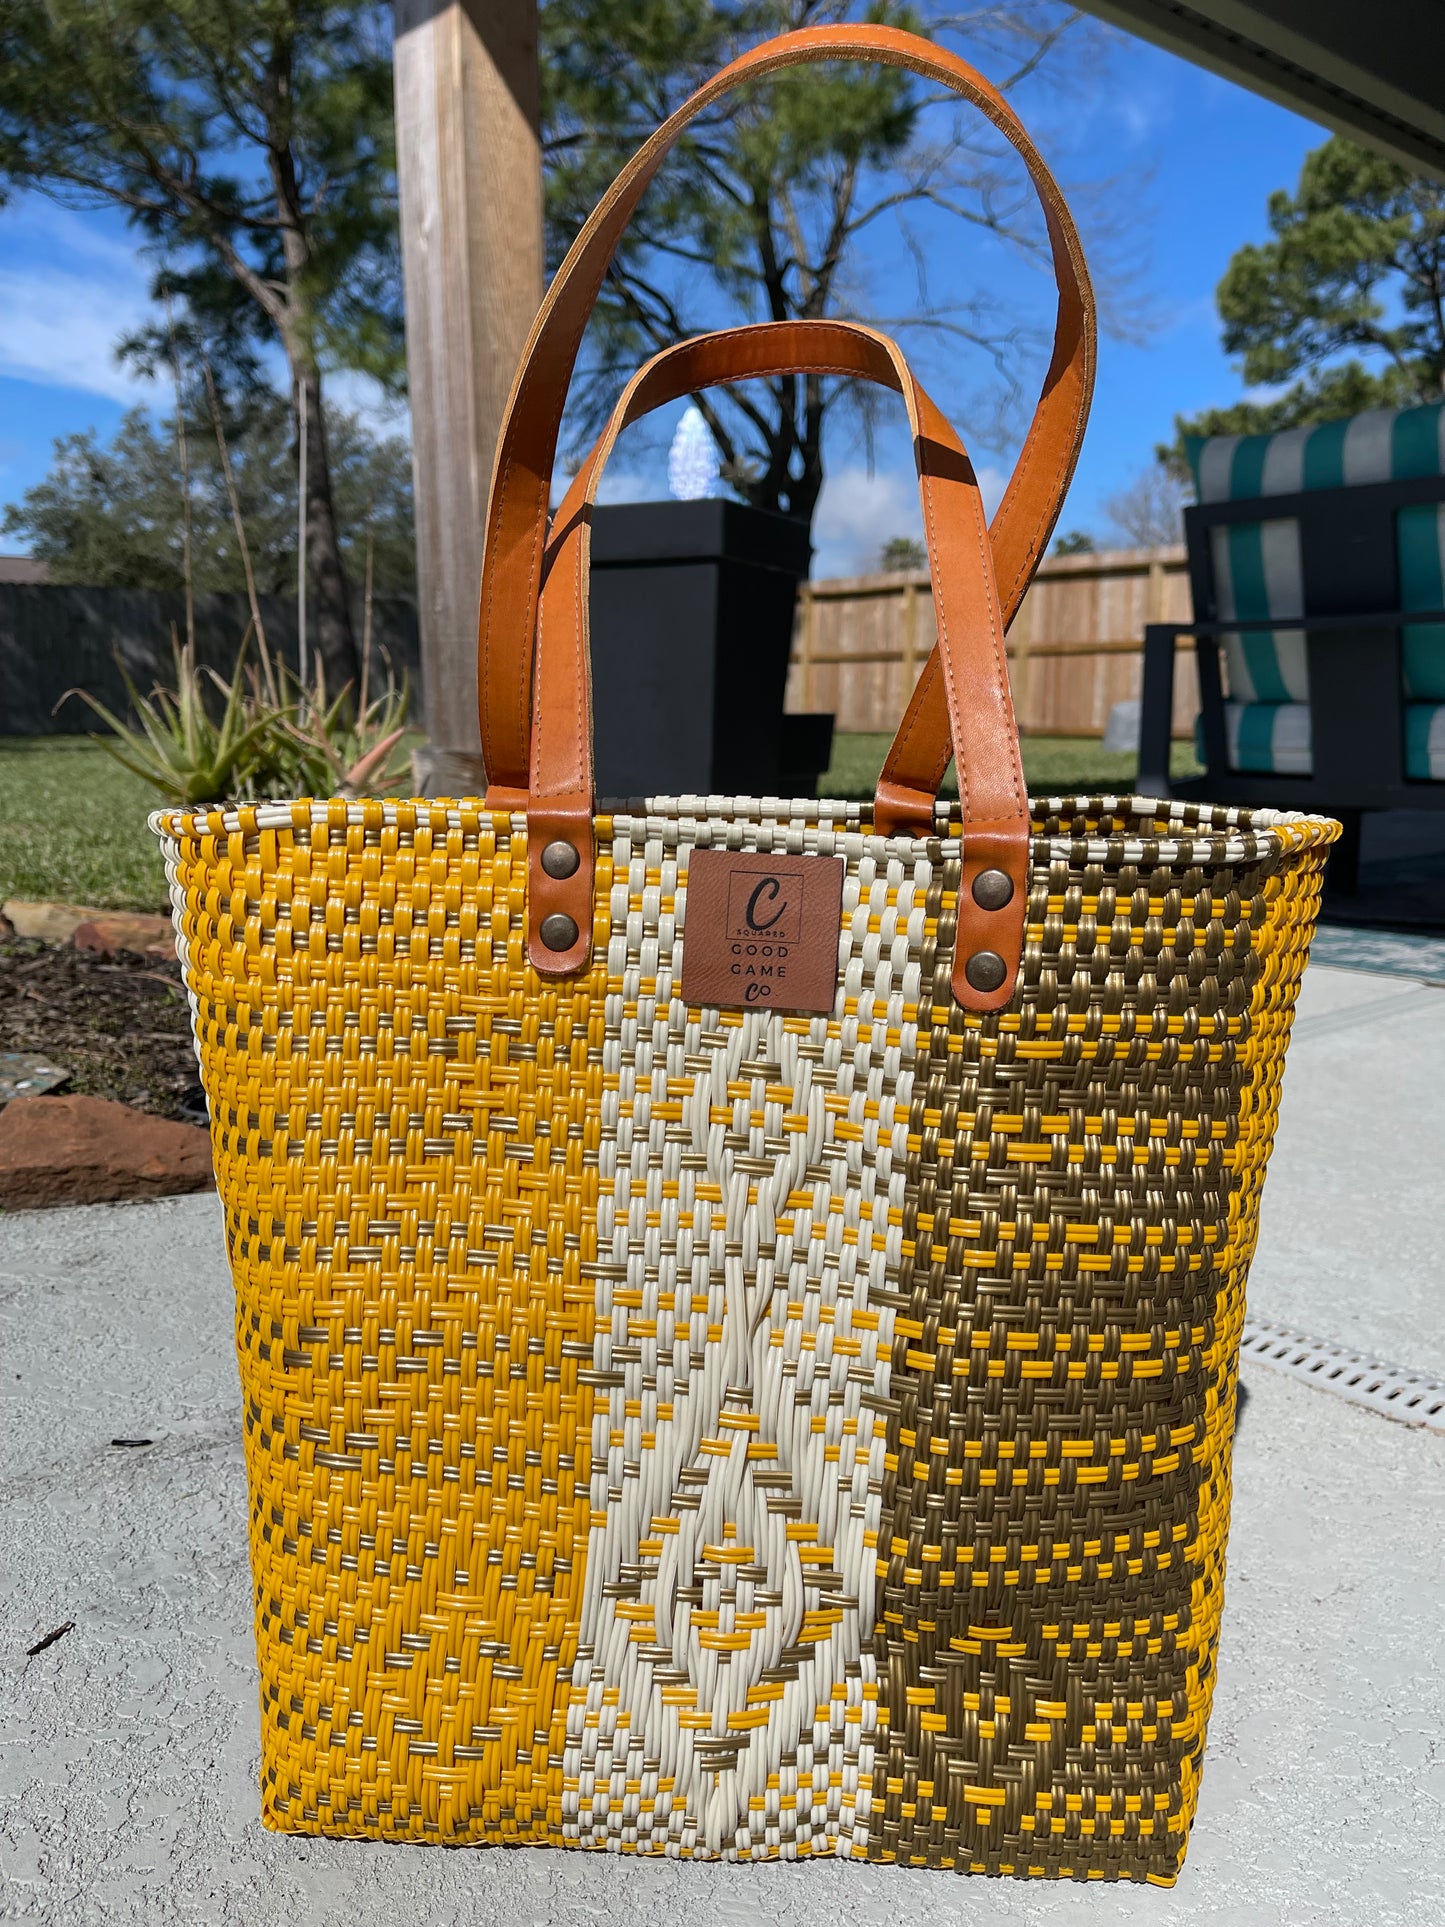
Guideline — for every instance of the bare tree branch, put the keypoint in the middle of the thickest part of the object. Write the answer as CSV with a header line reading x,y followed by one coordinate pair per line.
x,y
767,206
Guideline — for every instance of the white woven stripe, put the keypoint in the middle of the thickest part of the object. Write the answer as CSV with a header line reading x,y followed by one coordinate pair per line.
x,y
749,1170
841,819
170,856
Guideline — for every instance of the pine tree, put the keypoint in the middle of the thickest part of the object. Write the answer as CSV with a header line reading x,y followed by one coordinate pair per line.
x,y
1345,303
251,146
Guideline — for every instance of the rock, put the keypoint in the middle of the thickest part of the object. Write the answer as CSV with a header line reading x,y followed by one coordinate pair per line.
x,y
143,936
49,922
88,1150
23,1074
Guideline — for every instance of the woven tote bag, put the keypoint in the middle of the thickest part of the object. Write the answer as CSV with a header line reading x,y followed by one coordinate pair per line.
x,y
738,1300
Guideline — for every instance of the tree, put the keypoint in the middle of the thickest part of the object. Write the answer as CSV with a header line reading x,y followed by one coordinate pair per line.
x,y
902,554
109,516
763,208
1075,542
1148,513
252,148
1346,302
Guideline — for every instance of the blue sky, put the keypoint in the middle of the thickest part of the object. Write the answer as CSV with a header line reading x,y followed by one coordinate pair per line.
x,y
1194,157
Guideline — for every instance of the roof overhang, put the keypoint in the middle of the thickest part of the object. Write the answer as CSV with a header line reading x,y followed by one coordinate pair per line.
x,y
1374,71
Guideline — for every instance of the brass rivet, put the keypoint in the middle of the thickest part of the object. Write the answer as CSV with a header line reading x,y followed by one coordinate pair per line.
x,y
985,969
560,860
992,889
559,932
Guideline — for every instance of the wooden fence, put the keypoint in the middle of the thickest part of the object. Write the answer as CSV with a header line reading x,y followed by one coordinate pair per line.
x,y
1075,649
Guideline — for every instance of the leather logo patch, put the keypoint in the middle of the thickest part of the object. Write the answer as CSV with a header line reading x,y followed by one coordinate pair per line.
x,y
762,931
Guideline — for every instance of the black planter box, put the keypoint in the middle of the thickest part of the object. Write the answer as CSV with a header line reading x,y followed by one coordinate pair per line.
x,y
692,625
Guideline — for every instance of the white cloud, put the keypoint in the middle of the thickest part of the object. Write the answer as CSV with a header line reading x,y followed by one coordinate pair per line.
x,y
60,329
72,285
618,485
362,396
629,485
858,513
68,291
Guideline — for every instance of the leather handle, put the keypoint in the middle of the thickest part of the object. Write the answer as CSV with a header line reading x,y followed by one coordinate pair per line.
x,y
973,673
522,476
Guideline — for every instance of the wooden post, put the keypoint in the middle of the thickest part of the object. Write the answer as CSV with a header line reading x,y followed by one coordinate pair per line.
x,y
469,171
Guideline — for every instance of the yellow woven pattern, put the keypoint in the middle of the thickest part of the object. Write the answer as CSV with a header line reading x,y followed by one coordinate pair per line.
x,y
405,1124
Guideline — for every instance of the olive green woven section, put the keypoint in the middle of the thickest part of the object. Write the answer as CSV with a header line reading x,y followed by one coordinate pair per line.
x,y
1084,1180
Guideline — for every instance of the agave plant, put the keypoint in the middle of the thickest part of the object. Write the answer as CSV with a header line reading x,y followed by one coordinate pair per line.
x,y
353,756
346,749
272,737
176,744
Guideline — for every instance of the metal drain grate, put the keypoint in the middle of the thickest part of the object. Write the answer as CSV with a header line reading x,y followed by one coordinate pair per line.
x,y
1413,1398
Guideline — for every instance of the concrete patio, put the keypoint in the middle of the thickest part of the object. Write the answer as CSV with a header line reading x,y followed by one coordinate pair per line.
x,y
128,1748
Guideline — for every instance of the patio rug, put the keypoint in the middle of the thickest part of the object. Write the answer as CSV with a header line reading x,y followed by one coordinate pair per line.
x,y
1388,953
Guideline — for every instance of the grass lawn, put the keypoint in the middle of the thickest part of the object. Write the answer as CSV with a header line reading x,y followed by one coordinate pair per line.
x,y
72,821
73,826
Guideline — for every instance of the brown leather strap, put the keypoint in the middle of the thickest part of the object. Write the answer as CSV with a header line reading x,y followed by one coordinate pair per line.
x,y
521,481
974,678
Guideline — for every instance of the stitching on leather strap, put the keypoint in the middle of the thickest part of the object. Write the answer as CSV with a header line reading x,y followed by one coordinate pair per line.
x,y
945,657
1000,663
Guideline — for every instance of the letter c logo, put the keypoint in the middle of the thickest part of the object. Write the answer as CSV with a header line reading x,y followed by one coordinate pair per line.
x,y
774,890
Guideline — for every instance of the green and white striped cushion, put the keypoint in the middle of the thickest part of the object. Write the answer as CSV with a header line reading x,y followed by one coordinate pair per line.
x,y
1257,573
1420,539
1384,445
1270,738
1274,739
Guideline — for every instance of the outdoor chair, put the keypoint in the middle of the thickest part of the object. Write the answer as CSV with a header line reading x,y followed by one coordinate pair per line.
x,y
1317,571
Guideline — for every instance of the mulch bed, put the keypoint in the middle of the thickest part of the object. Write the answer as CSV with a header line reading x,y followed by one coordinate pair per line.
x,y
121,1026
